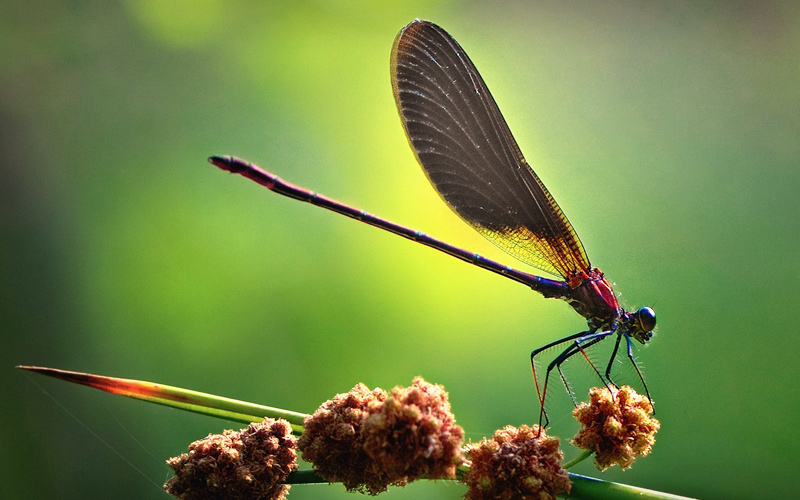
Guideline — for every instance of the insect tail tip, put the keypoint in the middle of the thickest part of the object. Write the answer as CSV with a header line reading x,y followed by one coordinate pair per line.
x,y
223,162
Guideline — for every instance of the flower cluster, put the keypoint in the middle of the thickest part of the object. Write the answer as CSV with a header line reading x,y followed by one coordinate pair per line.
x,y
516,464
333,442
249,464
413,434
369,440
617,426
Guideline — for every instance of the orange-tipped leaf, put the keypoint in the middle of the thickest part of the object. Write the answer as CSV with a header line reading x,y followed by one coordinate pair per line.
x,y
176,397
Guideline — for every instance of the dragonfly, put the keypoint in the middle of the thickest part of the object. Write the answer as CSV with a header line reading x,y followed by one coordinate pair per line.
x,y
469,155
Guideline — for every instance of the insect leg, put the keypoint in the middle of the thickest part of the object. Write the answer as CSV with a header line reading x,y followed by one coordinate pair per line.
x,y
578,347
611,360
580,341
541,392
639,373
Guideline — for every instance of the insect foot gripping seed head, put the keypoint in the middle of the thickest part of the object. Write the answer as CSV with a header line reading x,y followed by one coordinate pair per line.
x,y
617,426
332,441
516,464
413,434
251,463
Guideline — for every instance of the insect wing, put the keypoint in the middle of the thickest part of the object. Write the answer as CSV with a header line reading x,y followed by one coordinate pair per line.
x,y
469,155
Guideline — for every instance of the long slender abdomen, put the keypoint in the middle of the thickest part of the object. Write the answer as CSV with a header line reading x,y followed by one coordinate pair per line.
x,y
547,287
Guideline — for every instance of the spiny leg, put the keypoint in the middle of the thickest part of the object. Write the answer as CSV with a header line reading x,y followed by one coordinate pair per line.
x,y
541,393
570,351
590,338
611,360
639,373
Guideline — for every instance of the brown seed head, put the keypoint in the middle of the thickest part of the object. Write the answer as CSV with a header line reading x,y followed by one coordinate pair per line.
x,y
237,465
516,464
617,426
413,434
333,442
368,440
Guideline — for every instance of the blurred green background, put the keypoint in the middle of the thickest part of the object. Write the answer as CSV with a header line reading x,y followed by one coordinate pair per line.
x,y
669,133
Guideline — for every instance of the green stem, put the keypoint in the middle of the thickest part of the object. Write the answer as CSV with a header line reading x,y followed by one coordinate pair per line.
x,y
580,458
591,488
583,487
177,397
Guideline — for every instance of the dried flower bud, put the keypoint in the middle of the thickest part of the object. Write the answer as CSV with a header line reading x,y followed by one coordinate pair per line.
x,y
248,464
333,442
617,426
516,464
368,440
413,434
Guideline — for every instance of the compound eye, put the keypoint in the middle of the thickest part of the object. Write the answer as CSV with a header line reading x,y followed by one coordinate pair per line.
x,y
646,319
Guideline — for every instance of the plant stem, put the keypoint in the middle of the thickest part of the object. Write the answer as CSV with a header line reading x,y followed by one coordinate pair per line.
x,y
177,397
592,488
580,458
583,487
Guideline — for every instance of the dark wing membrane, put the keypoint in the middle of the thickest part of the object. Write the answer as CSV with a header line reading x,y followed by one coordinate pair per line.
x,y
468,153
